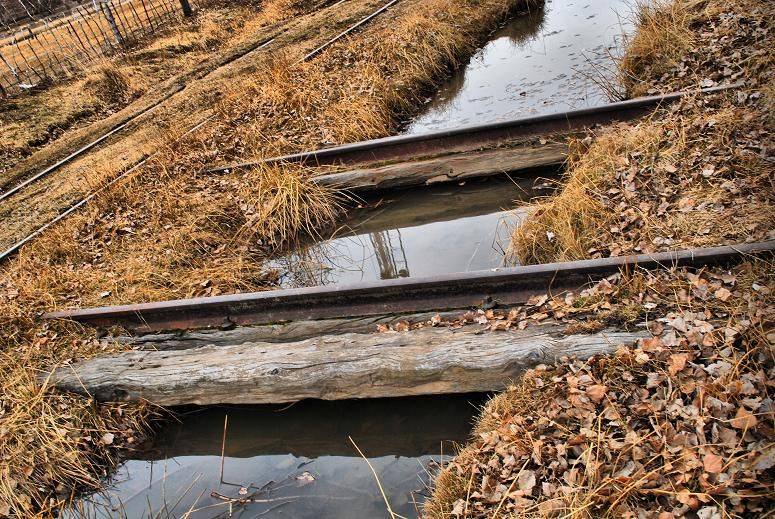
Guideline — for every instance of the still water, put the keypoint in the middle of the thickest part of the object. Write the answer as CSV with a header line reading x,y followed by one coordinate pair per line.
x,y
294,462
414,233
551,60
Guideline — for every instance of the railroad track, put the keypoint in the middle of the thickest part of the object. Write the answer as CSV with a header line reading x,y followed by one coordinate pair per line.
x,y
465,138
121,126
505,286
13,249
403,147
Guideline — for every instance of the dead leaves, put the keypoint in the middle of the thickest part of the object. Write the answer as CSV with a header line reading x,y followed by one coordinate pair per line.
x,y
712,463
743,419
677,425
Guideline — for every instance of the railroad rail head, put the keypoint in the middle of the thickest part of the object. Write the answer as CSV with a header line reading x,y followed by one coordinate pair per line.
x,y
403,147
506,286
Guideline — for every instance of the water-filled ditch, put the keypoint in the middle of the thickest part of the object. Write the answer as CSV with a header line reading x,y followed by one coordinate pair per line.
x,y
292,461
415,233
298,462
556,58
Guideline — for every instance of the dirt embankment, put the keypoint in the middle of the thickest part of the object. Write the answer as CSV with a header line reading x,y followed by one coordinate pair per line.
x,y
681,425
170,231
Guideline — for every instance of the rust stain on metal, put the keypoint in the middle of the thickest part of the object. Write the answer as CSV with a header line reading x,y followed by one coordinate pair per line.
x,y
506,286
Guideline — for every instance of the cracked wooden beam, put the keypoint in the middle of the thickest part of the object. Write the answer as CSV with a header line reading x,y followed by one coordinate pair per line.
x,y
332,367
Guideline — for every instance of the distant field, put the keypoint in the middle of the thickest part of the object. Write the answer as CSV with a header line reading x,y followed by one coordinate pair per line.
x,y
52,49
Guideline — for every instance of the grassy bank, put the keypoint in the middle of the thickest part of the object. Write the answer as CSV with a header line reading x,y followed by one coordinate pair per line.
x,y
696,174
680,424
170,231
33,120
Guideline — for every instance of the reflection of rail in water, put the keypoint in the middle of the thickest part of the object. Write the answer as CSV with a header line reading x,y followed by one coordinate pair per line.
x,y
390,254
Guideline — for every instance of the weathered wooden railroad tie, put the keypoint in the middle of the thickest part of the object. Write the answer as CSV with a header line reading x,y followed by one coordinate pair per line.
x,y
288,345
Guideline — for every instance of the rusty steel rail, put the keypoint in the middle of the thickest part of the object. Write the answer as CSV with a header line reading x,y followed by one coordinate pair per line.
x,y
402,147
506,286
349,30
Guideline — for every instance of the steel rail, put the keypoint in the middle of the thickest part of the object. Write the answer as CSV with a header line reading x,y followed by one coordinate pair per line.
x,y
349,30
506,286
468,137
13,249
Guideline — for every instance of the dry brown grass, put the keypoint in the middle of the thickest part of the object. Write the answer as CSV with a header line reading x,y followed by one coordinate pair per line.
x,y
280,205
111,85
170,231
565,226
677,180
31,121
51,442
663,37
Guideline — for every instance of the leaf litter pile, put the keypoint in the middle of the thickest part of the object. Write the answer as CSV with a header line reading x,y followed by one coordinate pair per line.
x,y
681,422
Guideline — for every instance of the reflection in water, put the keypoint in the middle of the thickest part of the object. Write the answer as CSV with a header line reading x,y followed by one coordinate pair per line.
x,y
295,462
553,59
422,232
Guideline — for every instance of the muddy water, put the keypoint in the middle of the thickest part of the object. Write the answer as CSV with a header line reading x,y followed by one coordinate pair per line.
x,y
414,233
550,60
298,461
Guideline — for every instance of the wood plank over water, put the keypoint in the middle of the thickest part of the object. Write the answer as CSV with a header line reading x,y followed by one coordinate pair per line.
x,y
332,367
448,168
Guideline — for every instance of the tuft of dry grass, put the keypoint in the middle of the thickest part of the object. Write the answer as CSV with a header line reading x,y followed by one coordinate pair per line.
x,y
111,85
663,37
281,204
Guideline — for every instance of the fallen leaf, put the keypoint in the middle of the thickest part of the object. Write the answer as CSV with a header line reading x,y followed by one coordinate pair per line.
x,y
401,326
723,294
306,477
677,362
526,481
597,392
712,463
743,419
